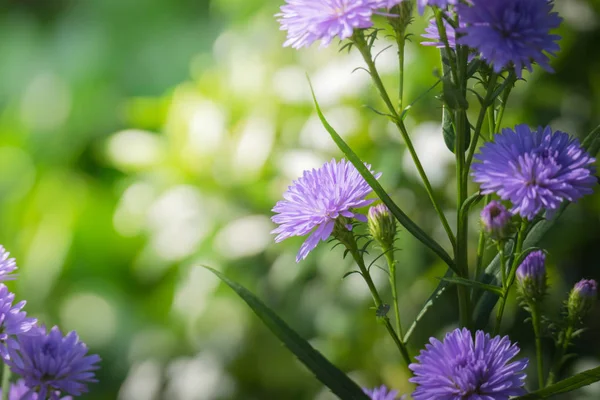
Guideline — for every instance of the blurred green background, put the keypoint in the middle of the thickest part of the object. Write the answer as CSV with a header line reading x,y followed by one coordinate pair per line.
x,y
140,139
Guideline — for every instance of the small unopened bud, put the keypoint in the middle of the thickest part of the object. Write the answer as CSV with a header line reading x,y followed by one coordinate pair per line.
x,y
531,277
382,225
496,220
582,298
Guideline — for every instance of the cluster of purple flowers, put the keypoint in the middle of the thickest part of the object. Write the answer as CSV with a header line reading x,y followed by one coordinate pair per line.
x,y
50,364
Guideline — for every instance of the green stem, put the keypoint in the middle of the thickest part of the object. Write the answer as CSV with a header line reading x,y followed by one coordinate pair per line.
x,y
401,40
389,256
487,101
353,248
481,246
554,371
365,51
535,319
511,276
503,102
5,381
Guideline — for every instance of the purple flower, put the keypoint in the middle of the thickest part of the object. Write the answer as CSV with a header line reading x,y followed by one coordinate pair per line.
x,y
531,276
307,21
13,321
582,298
510,32
7,265
535,170
316,200
20,391
496,219
438,3
382,393
586,288
52,363
467,369
432,33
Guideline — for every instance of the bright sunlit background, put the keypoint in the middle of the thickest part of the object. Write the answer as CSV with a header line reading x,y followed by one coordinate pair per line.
x,y
140,139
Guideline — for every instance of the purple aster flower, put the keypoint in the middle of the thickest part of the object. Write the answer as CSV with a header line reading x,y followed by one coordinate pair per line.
x,y
437,3
496,220
316,200
582,298
20,391
307,21
52,363
432,33
382,393
531,276
535,170
510,32
13,321
460,368
7,265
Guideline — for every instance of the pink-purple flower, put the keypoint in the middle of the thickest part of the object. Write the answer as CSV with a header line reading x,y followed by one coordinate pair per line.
x,y
467,369
13,321
7,265
535,169
307,21
314,202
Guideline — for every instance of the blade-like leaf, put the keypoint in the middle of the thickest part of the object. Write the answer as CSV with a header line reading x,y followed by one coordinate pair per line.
x,y
404,220
575,382
497,290
327,373
437,293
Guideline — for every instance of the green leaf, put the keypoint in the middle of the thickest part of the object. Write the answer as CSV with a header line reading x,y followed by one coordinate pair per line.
x,y
404,220
327,373
575,382
448,129
592,141
437,293
497,290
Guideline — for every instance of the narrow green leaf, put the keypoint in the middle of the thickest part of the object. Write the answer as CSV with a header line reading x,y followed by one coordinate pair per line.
x,y
437,293
404,220
568,385
592,141
327,373
497,290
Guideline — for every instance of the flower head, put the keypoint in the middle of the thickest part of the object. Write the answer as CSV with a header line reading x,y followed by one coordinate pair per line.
x,y
437,3
582,298
496,220
510,33
382,225
535,170
20,391
432,33
307,21
467,369
53,363
316,200
531,277
7,265
13,321
382,393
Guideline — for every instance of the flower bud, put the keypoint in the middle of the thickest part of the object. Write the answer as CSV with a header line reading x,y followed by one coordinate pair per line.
x,y
531,277
582,298
382,225
496,220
